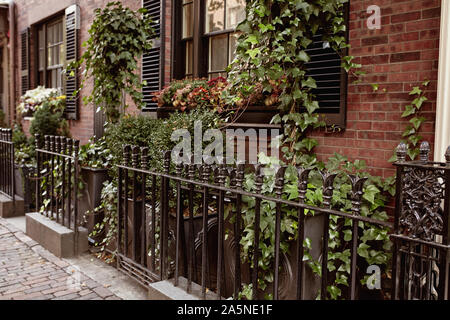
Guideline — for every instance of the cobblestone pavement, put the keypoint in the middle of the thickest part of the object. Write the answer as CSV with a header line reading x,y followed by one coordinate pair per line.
x,y
29,272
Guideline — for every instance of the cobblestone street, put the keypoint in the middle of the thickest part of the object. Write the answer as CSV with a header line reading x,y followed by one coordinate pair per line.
x,y
29,272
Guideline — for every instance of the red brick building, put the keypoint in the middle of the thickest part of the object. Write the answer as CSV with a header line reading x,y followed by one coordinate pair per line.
x,y
198,41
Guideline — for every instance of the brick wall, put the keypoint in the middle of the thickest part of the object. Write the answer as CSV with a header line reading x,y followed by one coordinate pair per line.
x,y
402,54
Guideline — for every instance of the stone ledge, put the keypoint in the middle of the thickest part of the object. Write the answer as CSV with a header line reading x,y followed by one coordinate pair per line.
x,y
54,237
10,209
165,290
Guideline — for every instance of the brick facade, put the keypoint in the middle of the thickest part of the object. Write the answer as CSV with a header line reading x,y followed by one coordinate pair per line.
x,y
402,54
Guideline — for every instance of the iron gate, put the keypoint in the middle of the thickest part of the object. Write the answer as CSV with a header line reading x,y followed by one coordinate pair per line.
x,y
7,182
160,235
57,182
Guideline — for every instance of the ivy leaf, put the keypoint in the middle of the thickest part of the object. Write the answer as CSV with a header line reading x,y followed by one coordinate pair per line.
x,y
415,91
370,192
303,56
417,122
310,83
409,110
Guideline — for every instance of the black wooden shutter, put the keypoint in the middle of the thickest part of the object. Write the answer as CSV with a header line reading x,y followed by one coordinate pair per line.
x,y
331,78
72,25
152,61
25,60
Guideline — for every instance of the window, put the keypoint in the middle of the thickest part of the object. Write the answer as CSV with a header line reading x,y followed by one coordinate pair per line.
x,y
206,45
51,55
208,37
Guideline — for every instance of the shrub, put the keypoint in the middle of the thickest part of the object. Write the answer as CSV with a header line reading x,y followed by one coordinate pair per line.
x,y
48,120
155,133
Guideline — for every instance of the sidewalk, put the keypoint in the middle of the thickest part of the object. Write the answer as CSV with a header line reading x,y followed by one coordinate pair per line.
x,y
29,272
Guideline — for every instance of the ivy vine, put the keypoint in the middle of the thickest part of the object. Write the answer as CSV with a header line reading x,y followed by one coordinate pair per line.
x,y
411,135
118,38
272,49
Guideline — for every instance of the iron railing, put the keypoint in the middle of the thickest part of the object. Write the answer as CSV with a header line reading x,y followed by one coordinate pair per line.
x,y
421,229
58,178
7,182
196,212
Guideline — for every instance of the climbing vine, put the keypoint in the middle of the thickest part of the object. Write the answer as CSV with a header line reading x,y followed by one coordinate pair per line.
x,y
118,38
272,49
411,135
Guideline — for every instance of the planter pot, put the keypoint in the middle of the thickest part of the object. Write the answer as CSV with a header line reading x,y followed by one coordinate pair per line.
x,y
288,261
18,180
256,114
252,114
93,180
24,186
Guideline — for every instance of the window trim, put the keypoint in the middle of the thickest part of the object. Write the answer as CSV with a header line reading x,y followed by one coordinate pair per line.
x,y
58,17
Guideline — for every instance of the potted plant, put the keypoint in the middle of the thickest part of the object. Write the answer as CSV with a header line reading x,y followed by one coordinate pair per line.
x,y
95,159
259,106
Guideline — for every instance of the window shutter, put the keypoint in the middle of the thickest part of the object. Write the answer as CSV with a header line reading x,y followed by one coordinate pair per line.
x,y
331,78
72,25
152,61
25,60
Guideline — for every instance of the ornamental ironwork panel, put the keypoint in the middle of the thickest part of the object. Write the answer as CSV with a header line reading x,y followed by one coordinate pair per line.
x,y
421,227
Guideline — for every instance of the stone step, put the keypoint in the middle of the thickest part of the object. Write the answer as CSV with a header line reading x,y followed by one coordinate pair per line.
x,y
54,237
10,208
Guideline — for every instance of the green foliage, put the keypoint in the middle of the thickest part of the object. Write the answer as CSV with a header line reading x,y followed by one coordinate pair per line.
x,y
411,135
155,133
272,48
95,154
24,153
118,38
374,243
49,120
145,132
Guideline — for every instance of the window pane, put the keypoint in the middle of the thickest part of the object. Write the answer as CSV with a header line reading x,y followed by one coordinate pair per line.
x,y
215,15
233,45
218,53
235,13
189,58
49,57
188,20
41,59
41,38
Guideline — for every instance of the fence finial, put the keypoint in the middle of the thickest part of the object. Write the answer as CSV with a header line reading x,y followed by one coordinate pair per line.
x,y
58,144
327,189
76,147
401,152
37,140
167,156
303,175
47,142
357,192
134,156
279,180
240,175
126,154
144,158
259,178
447,155
424,151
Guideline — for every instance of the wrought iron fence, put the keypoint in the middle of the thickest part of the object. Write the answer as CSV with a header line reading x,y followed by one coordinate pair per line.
x,y
421,229
187,221
57,181
7,183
